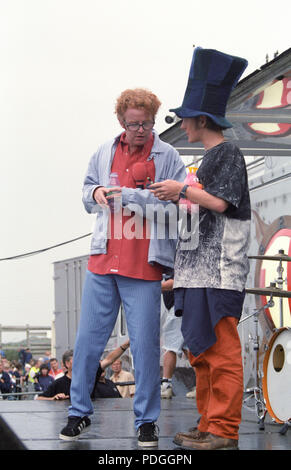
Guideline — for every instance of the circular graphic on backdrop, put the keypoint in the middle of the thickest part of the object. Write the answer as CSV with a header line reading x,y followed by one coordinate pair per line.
x,y
269,271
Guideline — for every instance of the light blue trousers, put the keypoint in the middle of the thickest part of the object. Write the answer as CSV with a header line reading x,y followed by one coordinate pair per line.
x,y
101,300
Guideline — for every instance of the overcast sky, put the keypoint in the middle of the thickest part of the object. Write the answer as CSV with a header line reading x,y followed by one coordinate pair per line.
x,y
63,64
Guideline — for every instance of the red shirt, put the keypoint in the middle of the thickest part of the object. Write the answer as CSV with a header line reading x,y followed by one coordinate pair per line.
x,y
128,256
56,374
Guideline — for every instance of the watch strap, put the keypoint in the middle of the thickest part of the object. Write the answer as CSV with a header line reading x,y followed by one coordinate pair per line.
x,y
183,191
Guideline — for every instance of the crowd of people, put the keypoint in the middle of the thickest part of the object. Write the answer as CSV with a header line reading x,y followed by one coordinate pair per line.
x,y
27,374
44,378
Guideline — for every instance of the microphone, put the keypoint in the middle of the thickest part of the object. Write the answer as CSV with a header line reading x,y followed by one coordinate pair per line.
x,y
139,174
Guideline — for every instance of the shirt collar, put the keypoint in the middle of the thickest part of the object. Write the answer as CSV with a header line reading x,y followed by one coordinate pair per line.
x,y
156,148
145,149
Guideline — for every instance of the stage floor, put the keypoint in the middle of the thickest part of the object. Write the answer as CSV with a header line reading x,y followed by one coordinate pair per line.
x,y
37,425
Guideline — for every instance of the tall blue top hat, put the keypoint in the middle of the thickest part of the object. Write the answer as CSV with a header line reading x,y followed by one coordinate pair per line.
x,y
212,77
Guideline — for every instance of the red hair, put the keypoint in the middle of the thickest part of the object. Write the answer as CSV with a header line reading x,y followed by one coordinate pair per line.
x,y
139,98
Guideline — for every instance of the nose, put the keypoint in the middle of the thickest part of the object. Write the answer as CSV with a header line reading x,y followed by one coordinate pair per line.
x,y
141,129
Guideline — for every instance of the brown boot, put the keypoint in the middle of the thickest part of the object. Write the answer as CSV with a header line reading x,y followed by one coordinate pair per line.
x,y
192,433
209,442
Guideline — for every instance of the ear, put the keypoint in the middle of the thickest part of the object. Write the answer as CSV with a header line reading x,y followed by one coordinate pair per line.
x,y
202,121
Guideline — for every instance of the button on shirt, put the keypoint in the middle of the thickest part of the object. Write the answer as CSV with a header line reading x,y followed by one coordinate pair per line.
x,y
126,254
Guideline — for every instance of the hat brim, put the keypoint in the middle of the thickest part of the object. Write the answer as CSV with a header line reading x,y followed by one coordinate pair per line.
x,y
182,112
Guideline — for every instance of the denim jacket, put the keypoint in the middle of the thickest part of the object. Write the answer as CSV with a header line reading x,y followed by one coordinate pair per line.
x,y
168,165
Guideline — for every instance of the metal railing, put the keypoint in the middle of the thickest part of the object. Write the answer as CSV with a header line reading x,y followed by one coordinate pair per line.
x,y
32,334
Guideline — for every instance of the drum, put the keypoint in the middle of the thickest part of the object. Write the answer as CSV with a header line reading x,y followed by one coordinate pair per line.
x,y
276,380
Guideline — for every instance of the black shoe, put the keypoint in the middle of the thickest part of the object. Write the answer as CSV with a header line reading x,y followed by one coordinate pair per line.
x,y
75,426
148,435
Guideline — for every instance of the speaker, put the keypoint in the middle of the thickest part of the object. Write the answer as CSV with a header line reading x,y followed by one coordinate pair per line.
x,y
9,440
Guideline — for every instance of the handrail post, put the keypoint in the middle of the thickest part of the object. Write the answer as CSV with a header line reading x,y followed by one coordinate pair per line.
x,y
27,337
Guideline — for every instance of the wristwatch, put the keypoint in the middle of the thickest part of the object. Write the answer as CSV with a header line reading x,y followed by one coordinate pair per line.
x,y
183,191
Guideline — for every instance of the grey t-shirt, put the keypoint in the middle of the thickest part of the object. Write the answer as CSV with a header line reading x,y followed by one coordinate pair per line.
x,y
220,259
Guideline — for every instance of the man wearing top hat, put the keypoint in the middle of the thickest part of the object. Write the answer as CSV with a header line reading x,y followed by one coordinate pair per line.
x,y
210,280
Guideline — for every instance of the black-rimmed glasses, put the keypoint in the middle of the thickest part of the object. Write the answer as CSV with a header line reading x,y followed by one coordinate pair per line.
x,y
135,126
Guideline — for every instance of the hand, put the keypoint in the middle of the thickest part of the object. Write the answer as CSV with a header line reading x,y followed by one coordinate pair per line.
x,y
168,190
101,194
126,344
60,396
167,285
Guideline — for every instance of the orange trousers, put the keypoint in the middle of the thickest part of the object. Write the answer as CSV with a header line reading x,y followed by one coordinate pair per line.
x,y
219,382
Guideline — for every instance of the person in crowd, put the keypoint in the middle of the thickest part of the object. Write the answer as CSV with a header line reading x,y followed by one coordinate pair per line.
x,y
21,358
5,381
173,341
104,388
16,369
126,265
43,380
7,366
46,358
60,388
16,374
210,278
33,371
27,357
25,376
120,375
55,371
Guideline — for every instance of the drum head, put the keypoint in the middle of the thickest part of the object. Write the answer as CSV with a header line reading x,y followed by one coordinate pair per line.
x,y
277,376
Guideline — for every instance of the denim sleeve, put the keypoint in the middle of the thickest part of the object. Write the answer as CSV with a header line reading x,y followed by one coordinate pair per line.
x,y
91,182
143,201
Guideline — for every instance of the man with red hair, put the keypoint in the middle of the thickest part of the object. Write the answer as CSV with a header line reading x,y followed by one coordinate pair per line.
x,y
124,266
